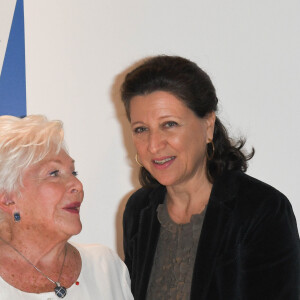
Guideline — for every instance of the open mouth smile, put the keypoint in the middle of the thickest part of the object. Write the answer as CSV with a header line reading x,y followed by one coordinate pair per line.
x,y
163,161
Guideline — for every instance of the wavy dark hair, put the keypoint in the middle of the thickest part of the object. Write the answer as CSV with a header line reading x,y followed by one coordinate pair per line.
x,y
190,84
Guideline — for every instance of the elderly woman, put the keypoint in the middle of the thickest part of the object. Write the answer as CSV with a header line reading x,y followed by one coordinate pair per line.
x,y
40,199
199,228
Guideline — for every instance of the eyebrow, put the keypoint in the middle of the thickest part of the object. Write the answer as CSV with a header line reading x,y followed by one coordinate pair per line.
x,y
162,117
58,161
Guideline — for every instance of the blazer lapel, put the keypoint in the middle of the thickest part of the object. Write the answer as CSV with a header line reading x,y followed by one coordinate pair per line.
x,y
148,237
217,216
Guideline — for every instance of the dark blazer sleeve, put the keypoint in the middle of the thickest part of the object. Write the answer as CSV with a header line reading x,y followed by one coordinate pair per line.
x,y
255,254
270,255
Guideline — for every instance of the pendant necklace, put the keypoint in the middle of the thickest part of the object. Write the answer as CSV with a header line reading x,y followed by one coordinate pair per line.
x,y
60,291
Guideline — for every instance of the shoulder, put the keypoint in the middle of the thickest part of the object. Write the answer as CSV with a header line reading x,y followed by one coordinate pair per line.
x,y
140,198
247,189
92,249
258,205
103,272
257,186
258,213
250,199
98,254
135,204
143,198
260,194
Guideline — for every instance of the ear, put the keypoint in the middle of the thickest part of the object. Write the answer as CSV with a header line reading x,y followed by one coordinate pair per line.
x,y
6,204
210,121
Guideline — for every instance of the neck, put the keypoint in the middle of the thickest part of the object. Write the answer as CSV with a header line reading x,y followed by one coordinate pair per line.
x,y
56,261
189,198
43,250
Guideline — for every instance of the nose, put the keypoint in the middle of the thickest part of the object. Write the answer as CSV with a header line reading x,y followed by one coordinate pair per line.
x,y
75,185
156,142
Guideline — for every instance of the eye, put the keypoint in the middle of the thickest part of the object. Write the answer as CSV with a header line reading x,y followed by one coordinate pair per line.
x,y
139,129
75,173
170,124
54,173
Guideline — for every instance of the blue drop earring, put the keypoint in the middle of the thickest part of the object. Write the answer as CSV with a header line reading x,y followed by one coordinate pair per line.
x,y
17,217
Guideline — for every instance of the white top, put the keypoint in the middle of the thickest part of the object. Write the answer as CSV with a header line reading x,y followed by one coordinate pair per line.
x,y
103,277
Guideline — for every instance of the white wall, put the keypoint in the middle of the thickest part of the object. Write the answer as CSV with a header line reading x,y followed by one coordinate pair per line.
x,y
77,52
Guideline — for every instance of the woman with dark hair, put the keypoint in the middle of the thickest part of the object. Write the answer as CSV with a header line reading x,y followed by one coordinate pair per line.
x,y
199,228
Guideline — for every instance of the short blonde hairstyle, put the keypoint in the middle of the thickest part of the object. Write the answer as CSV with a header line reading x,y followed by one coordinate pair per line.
x,y
24,142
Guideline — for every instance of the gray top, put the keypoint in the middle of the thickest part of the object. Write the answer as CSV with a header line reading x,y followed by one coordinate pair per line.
x,y
172,270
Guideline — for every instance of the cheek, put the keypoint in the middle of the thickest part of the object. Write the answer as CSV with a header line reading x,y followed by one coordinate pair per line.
x,y
140,144
190,144
181,141
50,195
198,151
50,191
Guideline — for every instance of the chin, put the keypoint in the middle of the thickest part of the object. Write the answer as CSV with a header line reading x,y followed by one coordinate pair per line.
x,y
72,229
77,230
166,181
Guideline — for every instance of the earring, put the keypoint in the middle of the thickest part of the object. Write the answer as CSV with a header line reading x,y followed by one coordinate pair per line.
x,y
137,161
17,217
211,155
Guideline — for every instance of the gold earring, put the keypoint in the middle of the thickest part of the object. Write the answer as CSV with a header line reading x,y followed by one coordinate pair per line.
x,y
210,156
137,161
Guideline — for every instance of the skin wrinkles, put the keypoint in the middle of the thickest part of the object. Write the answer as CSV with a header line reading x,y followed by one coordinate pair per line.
x,y
48,202
48,187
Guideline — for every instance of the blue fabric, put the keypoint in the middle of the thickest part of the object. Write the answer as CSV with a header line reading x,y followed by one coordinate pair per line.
x,y
12,80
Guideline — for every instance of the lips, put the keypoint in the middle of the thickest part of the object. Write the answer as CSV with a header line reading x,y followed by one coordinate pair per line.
x,y
73,207
163,162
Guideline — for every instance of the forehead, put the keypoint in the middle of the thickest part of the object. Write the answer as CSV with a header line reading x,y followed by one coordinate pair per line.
x,y
61,158
159,102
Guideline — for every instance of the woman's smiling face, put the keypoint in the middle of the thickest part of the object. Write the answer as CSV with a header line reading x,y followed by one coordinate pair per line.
x,y
170,139
51,197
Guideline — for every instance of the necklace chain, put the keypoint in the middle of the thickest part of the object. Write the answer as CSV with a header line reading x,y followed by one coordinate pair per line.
x,y
57,283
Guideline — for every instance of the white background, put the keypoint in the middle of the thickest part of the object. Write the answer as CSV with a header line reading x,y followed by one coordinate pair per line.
x,y
77,52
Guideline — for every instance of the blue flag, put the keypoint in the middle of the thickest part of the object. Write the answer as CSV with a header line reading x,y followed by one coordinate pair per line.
x,y
12,78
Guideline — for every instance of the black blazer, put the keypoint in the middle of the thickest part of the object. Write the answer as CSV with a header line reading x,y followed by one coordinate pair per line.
x,y
249,246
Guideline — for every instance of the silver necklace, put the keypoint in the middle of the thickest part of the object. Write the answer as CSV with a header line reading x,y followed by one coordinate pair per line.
x,y
60,291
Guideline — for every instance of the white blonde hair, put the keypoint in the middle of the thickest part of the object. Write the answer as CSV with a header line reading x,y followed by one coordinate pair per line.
x,y
24,142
